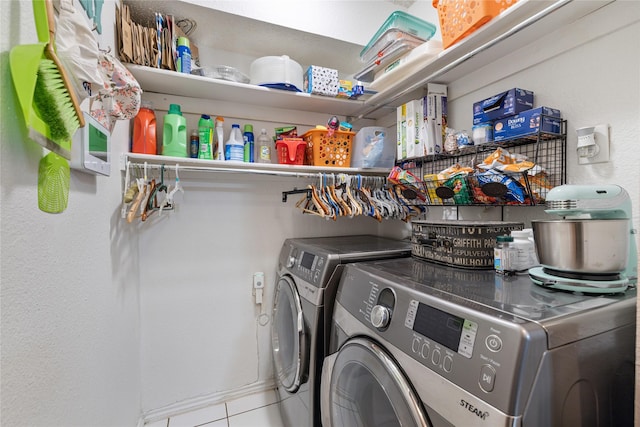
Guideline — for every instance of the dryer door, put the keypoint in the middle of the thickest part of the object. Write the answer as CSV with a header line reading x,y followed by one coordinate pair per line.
x,y
288,336
363,387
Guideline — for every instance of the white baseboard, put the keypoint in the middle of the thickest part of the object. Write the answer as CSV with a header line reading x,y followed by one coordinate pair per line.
x,y
203,401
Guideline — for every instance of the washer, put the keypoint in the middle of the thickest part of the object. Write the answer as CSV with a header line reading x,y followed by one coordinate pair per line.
x,y
418,344
308,274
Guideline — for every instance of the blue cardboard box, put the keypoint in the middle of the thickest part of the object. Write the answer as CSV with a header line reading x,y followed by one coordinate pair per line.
x,y
502,105
548,120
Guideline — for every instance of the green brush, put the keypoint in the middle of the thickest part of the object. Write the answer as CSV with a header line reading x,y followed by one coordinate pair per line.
x,y
54,99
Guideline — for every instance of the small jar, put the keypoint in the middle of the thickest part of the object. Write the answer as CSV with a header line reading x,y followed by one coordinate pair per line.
x,y
504,254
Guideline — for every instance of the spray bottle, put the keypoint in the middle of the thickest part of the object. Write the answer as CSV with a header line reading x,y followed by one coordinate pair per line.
x,y
219,139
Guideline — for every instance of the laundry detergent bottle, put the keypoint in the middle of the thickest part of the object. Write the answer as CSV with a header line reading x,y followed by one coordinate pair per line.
x,y
174,135
144,131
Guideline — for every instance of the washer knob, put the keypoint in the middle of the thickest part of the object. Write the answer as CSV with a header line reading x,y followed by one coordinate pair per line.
x,y
291,261
380,316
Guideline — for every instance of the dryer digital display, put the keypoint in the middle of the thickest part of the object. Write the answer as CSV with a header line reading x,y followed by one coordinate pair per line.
x,y
451,331
307,260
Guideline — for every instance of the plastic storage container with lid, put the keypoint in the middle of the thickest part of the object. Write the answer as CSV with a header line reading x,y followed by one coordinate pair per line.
x,y
371,149
402,21
278,72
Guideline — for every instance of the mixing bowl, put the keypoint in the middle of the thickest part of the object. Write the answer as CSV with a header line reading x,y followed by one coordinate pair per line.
x,y
591,246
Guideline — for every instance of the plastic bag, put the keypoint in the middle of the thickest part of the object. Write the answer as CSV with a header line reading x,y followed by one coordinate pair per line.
x,y
78,50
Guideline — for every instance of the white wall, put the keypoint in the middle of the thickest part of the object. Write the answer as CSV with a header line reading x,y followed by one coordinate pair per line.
x,y
70,316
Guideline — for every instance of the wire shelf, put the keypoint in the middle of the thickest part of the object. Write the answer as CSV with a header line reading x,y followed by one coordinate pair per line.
x,y
492,187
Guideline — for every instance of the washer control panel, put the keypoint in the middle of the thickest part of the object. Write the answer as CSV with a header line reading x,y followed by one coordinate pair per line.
x,y
306,265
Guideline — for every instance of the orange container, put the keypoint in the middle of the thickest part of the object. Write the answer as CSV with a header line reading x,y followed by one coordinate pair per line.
x,y
144,132
291,151
459,18
334,151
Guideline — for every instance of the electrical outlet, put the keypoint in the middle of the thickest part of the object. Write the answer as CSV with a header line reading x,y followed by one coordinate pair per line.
x,y
601,136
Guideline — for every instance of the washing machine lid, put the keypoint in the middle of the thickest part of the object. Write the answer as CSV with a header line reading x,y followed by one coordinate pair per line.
x,y
353,248
497,294
362,386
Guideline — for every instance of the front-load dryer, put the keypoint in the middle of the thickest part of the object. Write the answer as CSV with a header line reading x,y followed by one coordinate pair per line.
x,y
308,274
419,344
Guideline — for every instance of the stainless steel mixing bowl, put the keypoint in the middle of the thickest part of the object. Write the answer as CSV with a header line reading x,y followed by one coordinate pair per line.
x,y
592,246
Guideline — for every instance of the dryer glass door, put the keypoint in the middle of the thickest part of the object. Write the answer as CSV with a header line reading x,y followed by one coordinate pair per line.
x,y
363,387
288,336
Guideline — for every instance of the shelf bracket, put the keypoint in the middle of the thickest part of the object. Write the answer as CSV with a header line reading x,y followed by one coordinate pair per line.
x,y
285,194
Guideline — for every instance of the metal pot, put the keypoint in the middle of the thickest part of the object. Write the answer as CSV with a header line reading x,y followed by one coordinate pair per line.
x,y
592,246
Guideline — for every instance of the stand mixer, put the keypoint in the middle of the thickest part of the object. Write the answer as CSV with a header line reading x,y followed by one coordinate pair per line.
x,y
584,205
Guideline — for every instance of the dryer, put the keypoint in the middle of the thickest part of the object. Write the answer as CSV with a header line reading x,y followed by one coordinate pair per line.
x,y
308,274
419,344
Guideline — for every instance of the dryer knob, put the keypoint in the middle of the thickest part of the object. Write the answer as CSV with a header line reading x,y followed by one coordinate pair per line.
x,y
380,316
291,261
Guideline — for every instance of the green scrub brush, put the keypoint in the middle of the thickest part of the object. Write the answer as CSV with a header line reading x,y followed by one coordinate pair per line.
x,y
54,98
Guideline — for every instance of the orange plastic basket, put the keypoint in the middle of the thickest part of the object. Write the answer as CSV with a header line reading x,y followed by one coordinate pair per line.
x,y
459,18
291,151
334,151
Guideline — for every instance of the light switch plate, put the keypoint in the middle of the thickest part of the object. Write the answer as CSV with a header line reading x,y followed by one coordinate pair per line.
x,y
601,133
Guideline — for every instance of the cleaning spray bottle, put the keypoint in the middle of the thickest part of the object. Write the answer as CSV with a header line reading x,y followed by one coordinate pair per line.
x,y
219,139
205,130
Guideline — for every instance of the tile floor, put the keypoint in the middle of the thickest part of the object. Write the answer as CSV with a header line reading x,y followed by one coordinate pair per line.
x,y
254,410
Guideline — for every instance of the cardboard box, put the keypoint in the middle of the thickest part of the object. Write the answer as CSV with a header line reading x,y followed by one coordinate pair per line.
x,y
413,123
502,105
545,119
435,118
401,132
321,81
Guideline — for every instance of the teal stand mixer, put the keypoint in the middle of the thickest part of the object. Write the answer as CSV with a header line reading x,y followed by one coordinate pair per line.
x,y
573,248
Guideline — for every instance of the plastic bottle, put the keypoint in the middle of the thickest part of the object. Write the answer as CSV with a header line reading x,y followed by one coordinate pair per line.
x,y
144,131
249,144
219,139
234,149
503,254
205,130
526,253
264,148
194,144
183,62
174,135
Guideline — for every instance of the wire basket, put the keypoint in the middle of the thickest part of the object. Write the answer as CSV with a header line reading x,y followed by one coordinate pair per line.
x,y
459,18
490,187
329,151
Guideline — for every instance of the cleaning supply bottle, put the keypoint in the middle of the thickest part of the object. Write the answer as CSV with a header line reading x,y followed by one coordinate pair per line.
x,y
144,131
264,147
183,63
194,144
219,139
234,149
174,135
205,129
249,144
